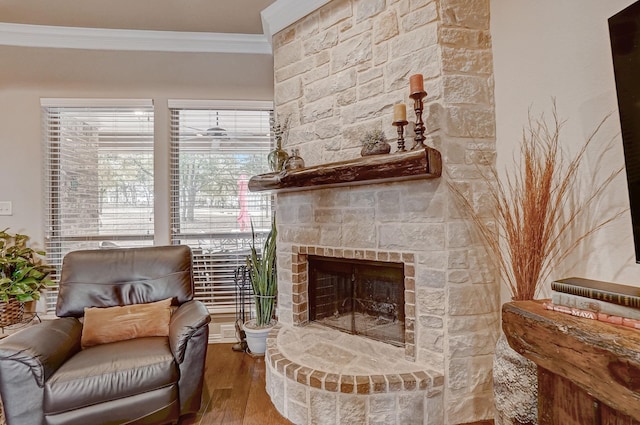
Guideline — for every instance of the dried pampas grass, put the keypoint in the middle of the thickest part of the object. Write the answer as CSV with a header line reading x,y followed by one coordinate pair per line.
x,y
537,211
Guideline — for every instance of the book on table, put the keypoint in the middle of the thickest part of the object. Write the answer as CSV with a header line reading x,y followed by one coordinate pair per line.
x,y
614,293
593,305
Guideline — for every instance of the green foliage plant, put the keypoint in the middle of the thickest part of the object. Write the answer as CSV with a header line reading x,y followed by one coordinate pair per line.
x,y
264,277
372,138
23,274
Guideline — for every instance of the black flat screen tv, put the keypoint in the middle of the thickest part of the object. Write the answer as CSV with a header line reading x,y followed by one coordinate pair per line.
x,y
624,32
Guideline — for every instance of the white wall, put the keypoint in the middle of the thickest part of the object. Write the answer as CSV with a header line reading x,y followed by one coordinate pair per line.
x,y
560,48
64,73
21,163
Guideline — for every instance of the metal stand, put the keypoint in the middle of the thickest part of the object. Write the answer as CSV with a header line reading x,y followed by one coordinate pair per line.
x,y
243,289
400,125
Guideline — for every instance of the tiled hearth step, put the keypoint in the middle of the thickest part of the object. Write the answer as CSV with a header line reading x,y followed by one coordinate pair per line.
x,y
320,375
350,384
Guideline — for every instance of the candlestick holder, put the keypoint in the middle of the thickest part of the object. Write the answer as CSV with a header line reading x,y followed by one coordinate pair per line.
x,y
417,107
400,124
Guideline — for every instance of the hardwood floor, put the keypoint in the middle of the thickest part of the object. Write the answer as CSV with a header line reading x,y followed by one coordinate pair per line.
x,y
234,391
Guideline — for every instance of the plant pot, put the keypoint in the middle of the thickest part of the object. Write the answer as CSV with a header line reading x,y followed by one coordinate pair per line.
x,y
515,386
376,149
257,336
11,312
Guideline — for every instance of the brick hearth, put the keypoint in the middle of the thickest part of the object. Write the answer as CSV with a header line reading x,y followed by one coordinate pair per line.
x,y
314,370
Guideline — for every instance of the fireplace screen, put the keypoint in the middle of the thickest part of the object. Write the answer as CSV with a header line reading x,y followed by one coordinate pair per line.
x,y
360,297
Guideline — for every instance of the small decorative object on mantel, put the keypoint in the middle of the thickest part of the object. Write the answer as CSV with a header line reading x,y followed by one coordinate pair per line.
x,y
278,156
417,93
400,120
295,161
374,143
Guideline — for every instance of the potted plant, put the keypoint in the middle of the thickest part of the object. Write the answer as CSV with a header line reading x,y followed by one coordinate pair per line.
x,y
536,222
264,282
374,143
23,275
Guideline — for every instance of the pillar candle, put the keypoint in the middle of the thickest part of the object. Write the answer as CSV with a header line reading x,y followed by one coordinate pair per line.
x,y
399,112
416,83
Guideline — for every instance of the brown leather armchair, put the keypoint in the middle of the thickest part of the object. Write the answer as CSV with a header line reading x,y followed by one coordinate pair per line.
x,y
46,378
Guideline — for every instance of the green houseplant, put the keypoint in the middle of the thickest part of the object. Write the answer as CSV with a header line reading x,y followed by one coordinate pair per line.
x,y
23,275
374,143
264,282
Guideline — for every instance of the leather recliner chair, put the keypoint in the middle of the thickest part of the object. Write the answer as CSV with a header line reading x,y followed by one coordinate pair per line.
x,y
46,378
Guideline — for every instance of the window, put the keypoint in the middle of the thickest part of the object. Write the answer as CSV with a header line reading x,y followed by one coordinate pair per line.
x,y
99,182
214,151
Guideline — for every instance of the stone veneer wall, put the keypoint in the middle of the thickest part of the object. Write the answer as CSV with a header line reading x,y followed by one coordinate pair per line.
x,y
338,73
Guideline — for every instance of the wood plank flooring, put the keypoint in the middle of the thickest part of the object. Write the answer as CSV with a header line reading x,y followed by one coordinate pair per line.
x,y
234,391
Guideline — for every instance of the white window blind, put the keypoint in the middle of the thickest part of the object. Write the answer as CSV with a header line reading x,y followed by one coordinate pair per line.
x,y
214,151
98,177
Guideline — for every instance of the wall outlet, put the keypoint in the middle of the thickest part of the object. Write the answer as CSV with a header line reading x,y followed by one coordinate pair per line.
x,y
6,208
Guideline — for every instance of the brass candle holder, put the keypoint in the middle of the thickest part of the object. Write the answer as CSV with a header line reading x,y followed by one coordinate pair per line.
x,y
417,107
400,124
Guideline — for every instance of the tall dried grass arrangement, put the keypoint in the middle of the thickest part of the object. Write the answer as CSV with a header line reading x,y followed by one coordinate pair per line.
x,y
537,211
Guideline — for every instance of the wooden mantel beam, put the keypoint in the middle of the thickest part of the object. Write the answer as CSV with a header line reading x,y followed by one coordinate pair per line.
x,y
601,358
425,163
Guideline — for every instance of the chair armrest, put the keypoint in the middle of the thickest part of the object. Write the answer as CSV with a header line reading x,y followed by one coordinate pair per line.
x,y
27,359
185,322
42,347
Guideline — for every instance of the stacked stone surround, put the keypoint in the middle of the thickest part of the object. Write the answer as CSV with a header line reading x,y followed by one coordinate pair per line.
x,y
338,73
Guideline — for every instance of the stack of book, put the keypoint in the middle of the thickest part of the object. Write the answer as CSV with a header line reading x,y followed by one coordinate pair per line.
x,y
593,299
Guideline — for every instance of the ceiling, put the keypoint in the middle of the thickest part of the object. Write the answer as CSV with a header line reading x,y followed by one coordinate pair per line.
x,y
216,16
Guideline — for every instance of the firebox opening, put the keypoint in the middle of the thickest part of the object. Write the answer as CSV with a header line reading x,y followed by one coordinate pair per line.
x,y
359,297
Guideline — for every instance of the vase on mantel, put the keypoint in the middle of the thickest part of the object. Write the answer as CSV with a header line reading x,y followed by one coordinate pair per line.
x,y
515,386
277,157
295,161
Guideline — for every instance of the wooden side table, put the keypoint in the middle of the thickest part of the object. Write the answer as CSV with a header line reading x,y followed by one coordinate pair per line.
x,y
588,371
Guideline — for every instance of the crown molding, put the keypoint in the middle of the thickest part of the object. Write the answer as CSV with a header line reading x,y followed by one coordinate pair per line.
x,y
137,40
283,13
278,16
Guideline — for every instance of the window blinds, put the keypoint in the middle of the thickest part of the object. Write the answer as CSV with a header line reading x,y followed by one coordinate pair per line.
x,y
98,177
214,151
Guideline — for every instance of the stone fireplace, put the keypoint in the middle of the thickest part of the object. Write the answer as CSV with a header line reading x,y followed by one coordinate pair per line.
x,y
338,73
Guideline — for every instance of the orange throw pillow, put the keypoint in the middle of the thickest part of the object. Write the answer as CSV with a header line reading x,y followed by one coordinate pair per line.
x,y
110,324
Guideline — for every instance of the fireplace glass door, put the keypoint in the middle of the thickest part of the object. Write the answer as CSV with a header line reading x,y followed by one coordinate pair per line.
x,y
360,297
